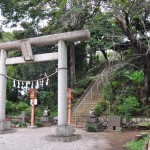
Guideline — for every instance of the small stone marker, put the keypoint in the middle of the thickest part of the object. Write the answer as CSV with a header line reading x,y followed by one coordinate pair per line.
x,y
114,123
23,116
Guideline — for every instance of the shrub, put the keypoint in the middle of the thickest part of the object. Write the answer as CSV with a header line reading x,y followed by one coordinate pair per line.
x,y
28,111
91,128
54,113
22,106
130,107
38,124
10,107
137,145
39,113
100,108
78,92
137,77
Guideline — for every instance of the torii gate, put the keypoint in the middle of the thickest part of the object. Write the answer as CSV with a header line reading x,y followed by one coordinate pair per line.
x,y
25,46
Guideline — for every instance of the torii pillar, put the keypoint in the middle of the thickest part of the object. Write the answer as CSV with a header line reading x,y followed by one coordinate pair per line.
x,y
4,125
62,129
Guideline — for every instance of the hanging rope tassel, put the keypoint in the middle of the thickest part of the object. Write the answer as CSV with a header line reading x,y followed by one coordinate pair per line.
x,y
14,83
47,81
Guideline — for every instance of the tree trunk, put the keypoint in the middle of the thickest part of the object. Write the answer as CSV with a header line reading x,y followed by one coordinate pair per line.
x,y
146,60
72,65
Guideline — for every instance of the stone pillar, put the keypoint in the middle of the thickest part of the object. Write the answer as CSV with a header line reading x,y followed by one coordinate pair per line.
x,y
62,132
62,83
3,81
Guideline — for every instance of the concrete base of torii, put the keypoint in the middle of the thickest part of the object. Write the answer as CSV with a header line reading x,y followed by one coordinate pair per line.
x,y
62,131
63,134
5,125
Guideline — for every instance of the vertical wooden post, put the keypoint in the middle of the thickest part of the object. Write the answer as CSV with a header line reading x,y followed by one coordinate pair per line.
x,y
32,113
69,111
70,97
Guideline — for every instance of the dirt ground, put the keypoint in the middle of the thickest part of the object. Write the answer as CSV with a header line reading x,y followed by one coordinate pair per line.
x,y
117,140
35,139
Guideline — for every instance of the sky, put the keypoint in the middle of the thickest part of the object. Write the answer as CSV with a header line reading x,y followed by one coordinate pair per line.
x,y
8,28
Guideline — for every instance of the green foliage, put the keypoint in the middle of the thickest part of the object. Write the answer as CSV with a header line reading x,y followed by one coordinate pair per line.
x,y
130,107
78,92
136,76
108,93
28,111
22,106
18,123
39,113
48,99
121,90
137,145
15,108
38,124
82,83
54,113
144,124
91,128
101,108
10,107
146,111
11,71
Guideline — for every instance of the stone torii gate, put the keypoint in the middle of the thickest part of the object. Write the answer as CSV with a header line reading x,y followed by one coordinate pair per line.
x,y
25,46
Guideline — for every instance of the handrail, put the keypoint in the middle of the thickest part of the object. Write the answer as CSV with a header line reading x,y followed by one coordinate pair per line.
x,y
103,74
83,101
85,93
88,91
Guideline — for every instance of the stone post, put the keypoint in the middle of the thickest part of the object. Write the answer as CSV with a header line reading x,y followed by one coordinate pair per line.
x,y
62,132
62,83
3,81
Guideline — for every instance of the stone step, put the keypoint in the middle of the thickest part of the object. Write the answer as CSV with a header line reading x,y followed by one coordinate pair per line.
x,y
82,113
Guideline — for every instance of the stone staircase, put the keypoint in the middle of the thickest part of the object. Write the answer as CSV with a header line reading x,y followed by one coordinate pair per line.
x,y
89,101
93,94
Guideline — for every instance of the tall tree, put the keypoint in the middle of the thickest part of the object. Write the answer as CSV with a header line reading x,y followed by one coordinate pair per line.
x,y
61,16
133,18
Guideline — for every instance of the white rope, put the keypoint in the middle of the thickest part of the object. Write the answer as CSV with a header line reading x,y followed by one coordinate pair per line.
x,y
29,80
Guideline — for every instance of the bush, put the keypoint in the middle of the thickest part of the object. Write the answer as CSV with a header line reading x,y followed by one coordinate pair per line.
x,y
10,107
78,92
39,113
91,128
130,107
38,124
22,106
54,113
137,145
28,112
100,108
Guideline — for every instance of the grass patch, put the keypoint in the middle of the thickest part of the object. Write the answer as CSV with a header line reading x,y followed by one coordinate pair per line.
x,y
91,128
144,124
137,145
38,124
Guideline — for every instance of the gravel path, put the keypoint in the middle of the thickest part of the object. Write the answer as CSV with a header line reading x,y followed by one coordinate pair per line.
x,y
34,139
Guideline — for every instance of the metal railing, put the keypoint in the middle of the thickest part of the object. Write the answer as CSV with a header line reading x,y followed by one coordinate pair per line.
x,y
103,75
88,93
83,101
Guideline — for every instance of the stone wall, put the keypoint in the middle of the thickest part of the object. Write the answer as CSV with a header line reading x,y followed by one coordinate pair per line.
x,y
125,122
